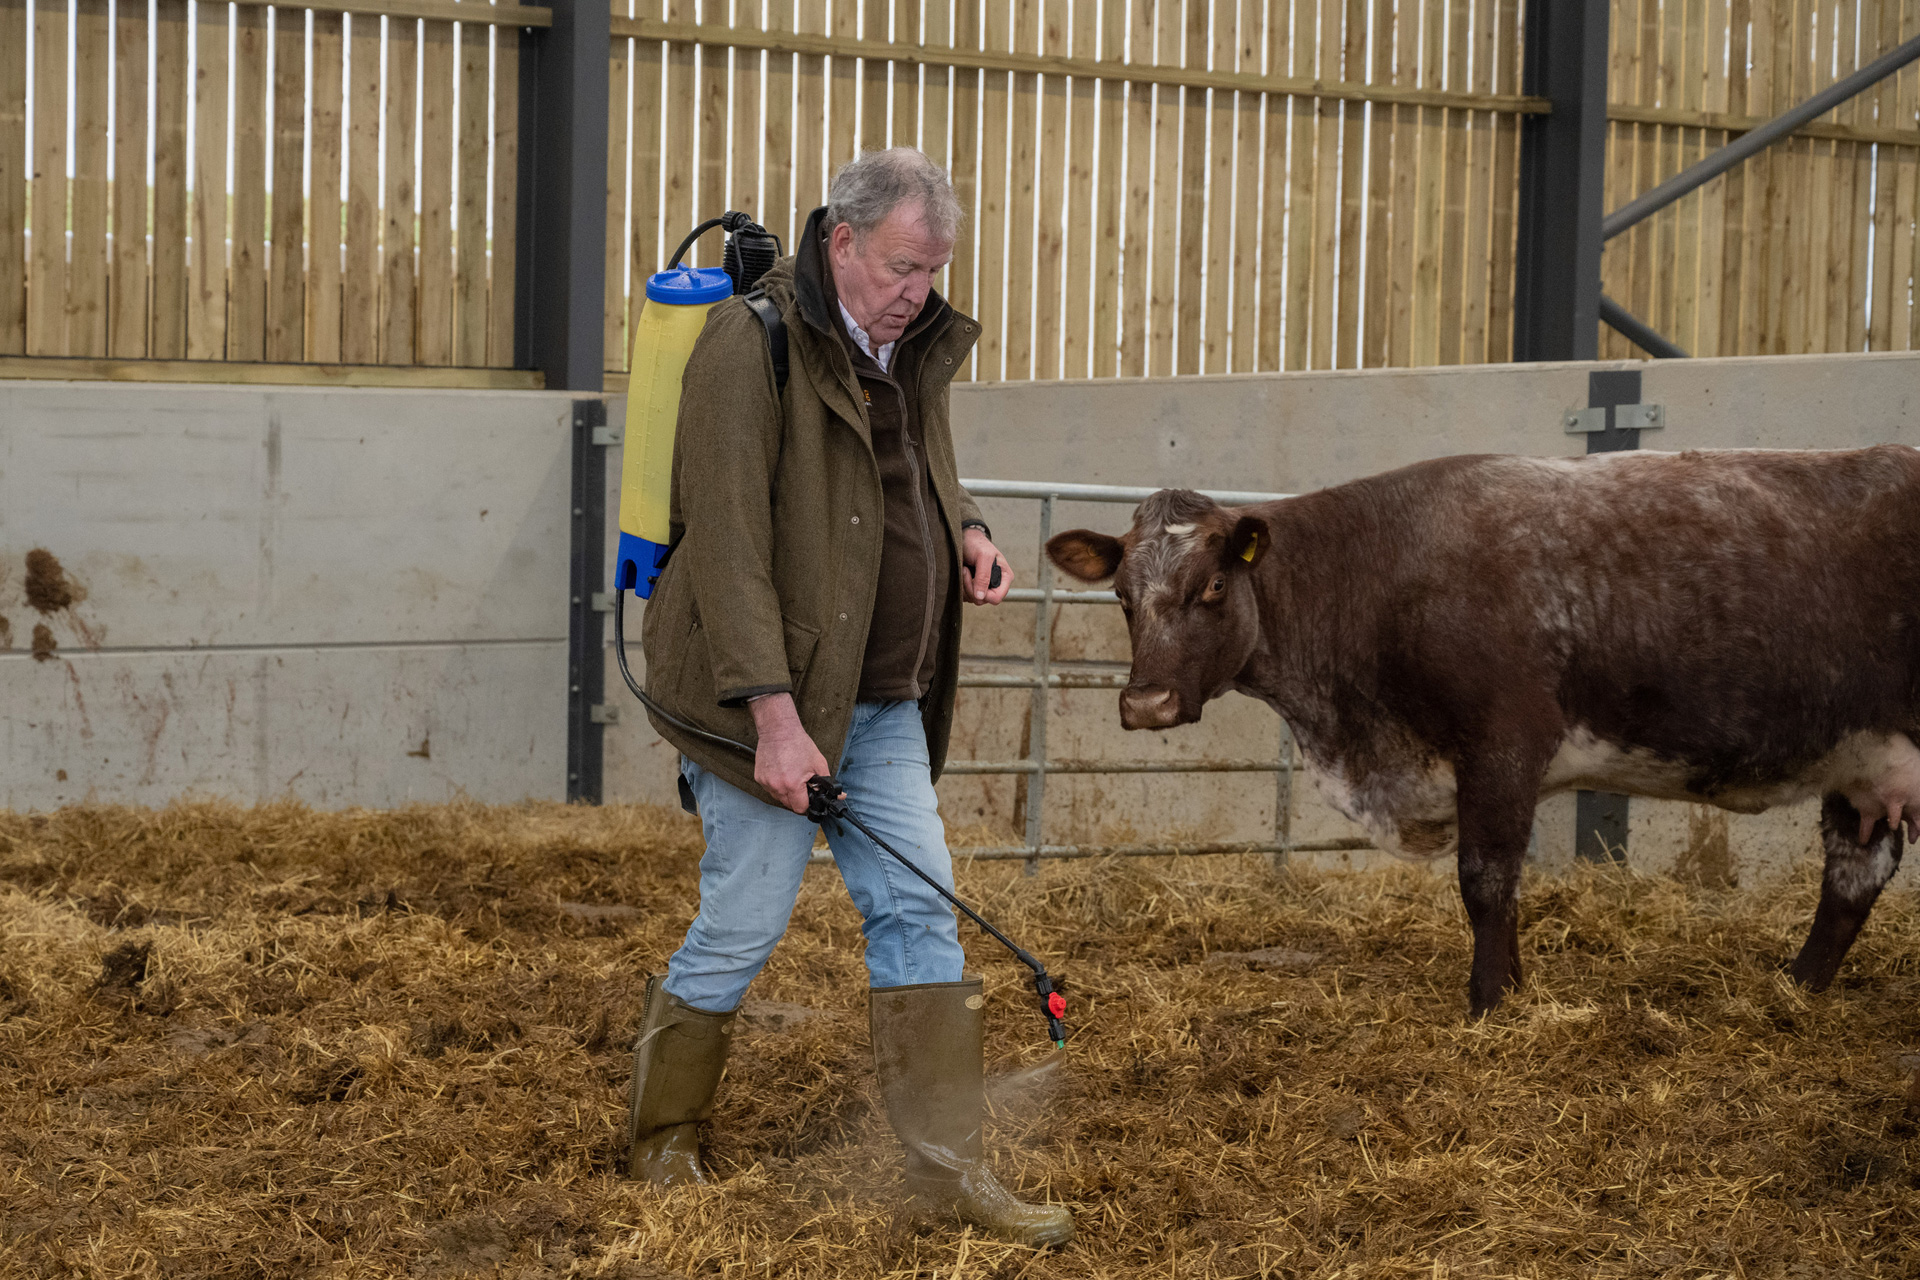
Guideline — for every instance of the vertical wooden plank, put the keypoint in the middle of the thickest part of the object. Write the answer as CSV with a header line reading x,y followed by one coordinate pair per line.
x,y
1247,41
1684,58
1823,169
399,301
167,327
1022,221
360,271
1771,68
875,18
1194,175
1273,193
1109,195
906,76
1506,185
1642,245
1904,320
1329,169
15,34
501,283
1616,267
1215,336
1301,243
614,283
644,226
252,114
843,106
809,118
963,276
1376,287
776,204
286,298
1406,186
682,112
91,199
1163,292
1353,141
1832,281
207,272
1137,245
989,362
748,79
127,293
1665,268
1479,183
47,265
1712,70
1883,33
434,285
711,197
1081,213
1847,325
1050,162
1453,215
323,191
1736,297
470,279
1429,214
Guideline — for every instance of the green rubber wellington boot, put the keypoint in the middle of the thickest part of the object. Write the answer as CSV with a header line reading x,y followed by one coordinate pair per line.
x,y
928,1049
677,1060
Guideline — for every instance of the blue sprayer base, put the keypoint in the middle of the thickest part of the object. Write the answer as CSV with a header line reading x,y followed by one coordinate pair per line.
x,y
637,564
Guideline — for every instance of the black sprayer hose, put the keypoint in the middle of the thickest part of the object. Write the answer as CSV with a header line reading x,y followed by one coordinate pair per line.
x,y
827,802
692,235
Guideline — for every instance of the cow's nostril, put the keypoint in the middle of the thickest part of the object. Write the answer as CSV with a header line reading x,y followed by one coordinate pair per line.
x,y
1146,698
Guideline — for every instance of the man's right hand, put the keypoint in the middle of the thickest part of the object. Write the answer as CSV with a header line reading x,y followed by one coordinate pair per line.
x,y
785,759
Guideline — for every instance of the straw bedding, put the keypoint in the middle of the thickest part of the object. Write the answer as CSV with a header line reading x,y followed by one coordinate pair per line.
x,y
275,1042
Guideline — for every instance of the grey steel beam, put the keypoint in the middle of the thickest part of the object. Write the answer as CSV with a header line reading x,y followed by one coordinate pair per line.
x,y
586,626
1638,331
562,223
1645,206
1556,308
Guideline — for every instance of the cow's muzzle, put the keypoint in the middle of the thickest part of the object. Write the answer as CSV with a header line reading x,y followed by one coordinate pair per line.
x,y
1149,707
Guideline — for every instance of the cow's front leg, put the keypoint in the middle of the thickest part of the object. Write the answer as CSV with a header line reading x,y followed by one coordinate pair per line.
x,y
1496,802
1854,876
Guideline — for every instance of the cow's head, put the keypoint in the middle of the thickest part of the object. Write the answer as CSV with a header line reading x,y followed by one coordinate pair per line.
x,y
1184,576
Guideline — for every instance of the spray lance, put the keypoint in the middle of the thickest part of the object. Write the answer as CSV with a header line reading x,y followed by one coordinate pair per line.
x,y
678,300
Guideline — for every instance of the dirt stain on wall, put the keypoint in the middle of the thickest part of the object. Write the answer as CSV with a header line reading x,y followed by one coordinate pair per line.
x,y
1708,858
6,634
43,642
49,590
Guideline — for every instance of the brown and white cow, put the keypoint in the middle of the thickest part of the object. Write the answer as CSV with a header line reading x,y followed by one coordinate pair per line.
x,y
1453,640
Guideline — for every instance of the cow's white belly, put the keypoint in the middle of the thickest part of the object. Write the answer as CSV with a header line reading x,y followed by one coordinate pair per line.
x,y
1412,810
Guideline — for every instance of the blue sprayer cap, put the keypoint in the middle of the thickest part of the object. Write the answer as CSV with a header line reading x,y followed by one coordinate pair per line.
x,y
685,286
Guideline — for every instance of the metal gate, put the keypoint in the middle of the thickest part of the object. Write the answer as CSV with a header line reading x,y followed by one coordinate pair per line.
x,y
1037,765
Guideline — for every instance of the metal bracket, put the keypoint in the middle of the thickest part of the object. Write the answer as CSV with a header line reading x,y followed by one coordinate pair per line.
x,y
603,713
602,602
1626,417
606,435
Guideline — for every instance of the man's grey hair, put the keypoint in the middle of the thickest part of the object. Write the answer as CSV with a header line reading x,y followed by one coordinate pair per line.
x,y
876,183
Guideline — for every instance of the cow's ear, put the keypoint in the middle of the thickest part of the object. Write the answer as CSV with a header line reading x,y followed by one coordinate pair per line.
x,y
1084,554
1247,543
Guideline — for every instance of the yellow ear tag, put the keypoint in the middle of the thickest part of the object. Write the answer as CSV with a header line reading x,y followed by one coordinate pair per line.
x,y
1253,543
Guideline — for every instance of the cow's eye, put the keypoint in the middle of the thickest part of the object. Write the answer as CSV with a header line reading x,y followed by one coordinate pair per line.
x,y
1218,585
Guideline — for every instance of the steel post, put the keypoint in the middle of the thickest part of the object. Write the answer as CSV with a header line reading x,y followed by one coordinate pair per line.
x,y
1042,668
562,220
586,629
1556,306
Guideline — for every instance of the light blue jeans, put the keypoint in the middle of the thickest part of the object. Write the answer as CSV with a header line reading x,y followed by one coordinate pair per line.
x,y
757,852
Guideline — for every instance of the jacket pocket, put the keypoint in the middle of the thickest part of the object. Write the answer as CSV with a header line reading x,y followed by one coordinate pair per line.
x,y
801,641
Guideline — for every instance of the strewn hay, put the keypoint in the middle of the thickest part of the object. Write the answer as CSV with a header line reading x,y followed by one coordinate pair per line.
x,y
280,1043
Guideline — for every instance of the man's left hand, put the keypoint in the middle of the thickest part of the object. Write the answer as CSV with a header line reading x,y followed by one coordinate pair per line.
x,y
981,555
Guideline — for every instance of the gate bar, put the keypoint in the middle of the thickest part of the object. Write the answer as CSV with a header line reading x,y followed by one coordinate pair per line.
x,y
1645,206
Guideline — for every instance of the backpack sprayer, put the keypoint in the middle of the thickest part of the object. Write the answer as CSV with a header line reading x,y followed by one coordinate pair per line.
x,y
678,300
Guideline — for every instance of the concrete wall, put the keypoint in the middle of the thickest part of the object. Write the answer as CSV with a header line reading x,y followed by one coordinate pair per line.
x,y
350,597
360,597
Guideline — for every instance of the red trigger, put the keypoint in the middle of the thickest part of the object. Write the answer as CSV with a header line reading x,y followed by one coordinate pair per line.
x,y
1057,1005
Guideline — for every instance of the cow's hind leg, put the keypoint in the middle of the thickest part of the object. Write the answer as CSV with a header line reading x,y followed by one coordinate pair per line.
x,y
1855,875
1496,817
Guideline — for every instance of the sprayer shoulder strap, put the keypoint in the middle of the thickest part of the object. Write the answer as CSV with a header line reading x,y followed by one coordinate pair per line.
x,y
769,315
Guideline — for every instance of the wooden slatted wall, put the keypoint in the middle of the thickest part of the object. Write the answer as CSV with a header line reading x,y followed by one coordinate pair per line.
x,y
253,183
1151,186
1809,246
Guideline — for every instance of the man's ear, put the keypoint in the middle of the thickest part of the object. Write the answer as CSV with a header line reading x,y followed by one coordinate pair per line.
x,y
1247,543
1085,555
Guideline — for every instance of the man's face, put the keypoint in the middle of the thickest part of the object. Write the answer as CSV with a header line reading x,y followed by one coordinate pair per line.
x,y
883,277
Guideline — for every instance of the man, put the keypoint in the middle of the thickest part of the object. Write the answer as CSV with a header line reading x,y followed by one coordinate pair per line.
x,y
823,546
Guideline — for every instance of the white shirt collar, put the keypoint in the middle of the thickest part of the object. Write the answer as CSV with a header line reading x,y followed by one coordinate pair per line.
x,y
883,357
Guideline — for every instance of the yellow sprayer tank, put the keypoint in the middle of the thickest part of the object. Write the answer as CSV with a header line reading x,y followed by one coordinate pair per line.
x,y
676,307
